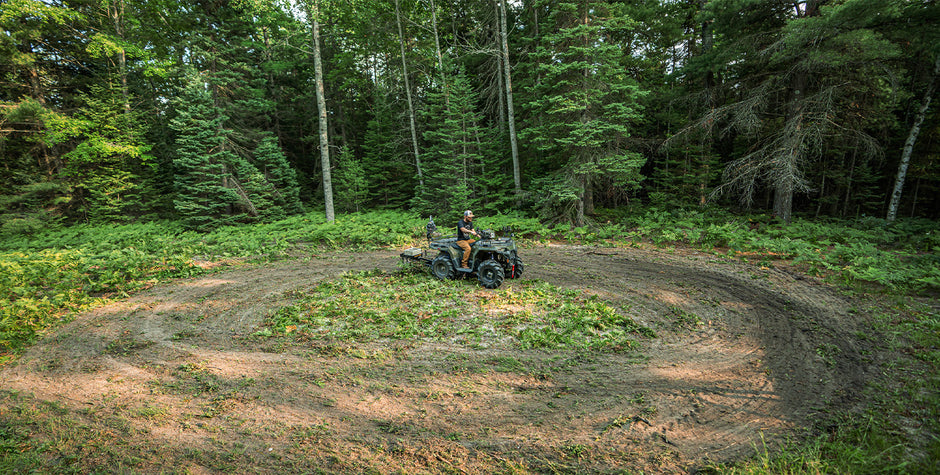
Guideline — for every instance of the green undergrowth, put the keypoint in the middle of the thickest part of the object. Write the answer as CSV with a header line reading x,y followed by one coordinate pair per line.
x,y
374,306
46,276
901,257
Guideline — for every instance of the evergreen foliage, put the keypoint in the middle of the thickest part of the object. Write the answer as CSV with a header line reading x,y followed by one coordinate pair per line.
x,y
798,91
282,178
391,179
459,172
203,201
350,182
587,105
109,152
113,114
796,108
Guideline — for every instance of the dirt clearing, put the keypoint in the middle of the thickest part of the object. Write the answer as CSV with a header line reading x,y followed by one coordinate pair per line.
x,y
171,379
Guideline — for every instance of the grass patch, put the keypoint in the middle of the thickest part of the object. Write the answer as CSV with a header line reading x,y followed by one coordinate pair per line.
x,y
47,276
683,320
903,256
125,345
374,306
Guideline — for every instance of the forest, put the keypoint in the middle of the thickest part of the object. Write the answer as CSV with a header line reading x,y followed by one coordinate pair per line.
x,y
219,112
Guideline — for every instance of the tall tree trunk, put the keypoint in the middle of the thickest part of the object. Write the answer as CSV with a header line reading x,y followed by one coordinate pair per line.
x,y
822,193
411,107
783,200
787,168
511,115
117,18
708,143
848,184
500,96
909,144
787,171
321,108
588,196
440,56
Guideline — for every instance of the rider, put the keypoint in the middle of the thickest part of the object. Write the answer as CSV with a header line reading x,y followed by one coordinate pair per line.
x,y
464,230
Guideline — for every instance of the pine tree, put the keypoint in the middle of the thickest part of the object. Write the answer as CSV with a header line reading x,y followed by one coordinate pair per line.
x,y
391,176
804,84
203,199
585,104
110,149
283,179
350,182
455,153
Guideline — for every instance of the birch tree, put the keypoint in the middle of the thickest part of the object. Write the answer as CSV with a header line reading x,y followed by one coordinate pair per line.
x,y
909,143
511,115
313,9
411,107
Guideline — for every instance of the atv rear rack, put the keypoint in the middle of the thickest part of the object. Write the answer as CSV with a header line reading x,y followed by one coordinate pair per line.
x,y
415,255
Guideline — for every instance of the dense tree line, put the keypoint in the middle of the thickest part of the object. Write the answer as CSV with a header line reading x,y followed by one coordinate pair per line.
x,y
229,111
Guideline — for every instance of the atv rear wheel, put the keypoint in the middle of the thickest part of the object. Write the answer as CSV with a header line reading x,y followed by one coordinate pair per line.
x,y
443,268
490,274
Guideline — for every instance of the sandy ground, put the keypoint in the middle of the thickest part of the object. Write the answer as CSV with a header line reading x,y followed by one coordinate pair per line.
x,y
194,393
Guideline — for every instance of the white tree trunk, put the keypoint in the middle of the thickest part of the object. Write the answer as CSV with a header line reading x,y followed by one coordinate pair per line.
x,y
321,108
411,107
440,56
909,144
516,172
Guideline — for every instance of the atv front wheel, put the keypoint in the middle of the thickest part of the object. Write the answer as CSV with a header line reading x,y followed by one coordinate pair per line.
x,y
515,270
490,274
443,268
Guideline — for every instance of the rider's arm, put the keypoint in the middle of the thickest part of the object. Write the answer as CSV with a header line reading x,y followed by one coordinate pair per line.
x,y
469,231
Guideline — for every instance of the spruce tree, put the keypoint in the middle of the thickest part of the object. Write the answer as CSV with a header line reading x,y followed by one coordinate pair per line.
x,y
585,104
805,84
203,200
283,179
390,175
455,151
109,152
349,180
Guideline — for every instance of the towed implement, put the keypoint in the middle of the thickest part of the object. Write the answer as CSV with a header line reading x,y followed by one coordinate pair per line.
x,y
492,259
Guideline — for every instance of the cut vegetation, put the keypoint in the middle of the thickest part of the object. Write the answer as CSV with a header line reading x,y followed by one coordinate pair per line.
x,y
612,356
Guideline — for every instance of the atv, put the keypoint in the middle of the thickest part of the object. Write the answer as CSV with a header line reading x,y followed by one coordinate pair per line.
x,y
491,260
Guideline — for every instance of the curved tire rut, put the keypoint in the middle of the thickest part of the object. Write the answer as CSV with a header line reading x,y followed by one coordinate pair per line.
x,y
741,352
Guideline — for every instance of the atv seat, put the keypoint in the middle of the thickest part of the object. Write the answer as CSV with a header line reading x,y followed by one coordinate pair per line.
x,y
449,242
472,245
452,243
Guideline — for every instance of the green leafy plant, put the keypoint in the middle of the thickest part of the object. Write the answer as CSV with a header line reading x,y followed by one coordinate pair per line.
x,y
374,306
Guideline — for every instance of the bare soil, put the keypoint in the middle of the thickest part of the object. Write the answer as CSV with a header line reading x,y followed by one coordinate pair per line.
x,y
173,380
